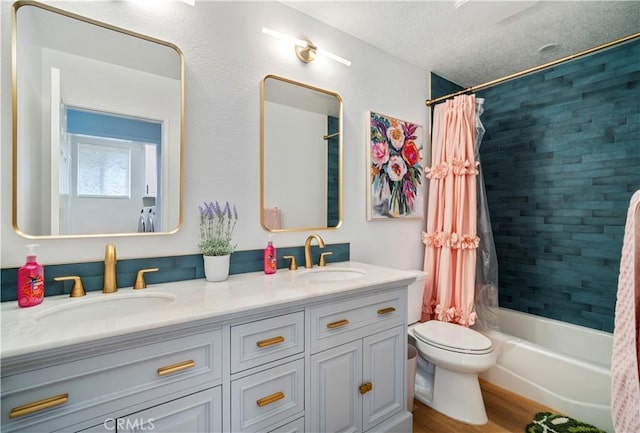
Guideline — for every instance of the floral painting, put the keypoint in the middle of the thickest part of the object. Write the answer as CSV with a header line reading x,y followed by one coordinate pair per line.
x,y
395,165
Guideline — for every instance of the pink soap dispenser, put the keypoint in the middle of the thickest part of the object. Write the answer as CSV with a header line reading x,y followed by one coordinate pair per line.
x,y
30,281
270,258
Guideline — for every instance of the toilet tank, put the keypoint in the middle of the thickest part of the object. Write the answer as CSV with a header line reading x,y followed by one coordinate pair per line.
x,y
414,297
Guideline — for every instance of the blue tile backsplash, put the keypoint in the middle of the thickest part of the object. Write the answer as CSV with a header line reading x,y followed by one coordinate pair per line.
x,y
175,268
561,159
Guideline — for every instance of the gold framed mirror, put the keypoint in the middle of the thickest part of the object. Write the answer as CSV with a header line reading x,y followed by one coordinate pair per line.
x,y
300,156
98,117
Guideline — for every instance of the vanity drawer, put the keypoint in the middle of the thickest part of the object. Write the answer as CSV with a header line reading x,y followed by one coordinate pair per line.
x,y
296,426
266,398
101,384
338,323
267,340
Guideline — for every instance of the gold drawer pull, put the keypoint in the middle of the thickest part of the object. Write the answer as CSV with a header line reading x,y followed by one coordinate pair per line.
x,y
337,324
270,399
366,387
39,405
386,310
174,368
270,341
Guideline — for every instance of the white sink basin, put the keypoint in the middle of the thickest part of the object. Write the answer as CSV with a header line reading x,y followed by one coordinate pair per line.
x,y
104,307
327,275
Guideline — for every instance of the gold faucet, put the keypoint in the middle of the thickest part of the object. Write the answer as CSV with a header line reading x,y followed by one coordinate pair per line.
x,y
78,288
140,283
110,285
308,261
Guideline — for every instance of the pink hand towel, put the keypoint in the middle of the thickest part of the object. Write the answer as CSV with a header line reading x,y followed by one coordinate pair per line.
x,y
625,364
272,218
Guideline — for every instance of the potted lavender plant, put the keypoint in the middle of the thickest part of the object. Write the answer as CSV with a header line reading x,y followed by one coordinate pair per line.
x,y
216,229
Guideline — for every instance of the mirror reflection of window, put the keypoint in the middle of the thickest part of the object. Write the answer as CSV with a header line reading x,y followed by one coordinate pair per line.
x,y
104,170
113,159
63,60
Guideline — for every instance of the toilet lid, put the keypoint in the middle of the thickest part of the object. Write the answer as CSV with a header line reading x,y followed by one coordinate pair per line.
x,y
455,338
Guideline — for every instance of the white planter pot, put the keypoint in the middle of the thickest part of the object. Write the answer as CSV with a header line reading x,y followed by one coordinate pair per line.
x,y
216,268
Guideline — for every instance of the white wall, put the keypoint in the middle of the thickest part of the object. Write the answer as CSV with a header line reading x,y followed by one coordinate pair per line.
x,y
226,57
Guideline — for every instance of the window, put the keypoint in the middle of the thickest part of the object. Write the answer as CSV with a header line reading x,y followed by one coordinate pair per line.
x,y
109,148
104,170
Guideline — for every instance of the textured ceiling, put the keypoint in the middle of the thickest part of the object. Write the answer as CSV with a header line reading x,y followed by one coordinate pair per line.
x,y
480,40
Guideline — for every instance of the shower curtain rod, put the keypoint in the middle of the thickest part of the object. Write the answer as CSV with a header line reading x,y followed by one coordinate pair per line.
x,y
472,89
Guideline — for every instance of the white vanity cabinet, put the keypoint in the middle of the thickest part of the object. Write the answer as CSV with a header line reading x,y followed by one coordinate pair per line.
x,y
267,365
280,354
67,392
295,426
358,365
199,412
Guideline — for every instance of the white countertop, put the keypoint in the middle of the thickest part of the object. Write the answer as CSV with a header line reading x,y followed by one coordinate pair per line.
x,y
61,321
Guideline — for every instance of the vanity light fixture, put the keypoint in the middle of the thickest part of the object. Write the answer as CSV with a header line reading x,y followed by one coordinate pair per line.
x,y
548,47
306,51
152,2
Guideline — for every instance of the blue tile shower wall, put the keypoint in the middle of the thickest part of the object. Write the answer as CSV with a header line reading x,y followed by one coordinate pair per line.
x,y
333,172
175,268
440,86
561,159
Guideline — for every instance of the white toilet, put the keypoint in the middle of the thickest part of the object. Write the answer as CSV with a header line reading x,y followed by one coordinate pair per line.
x,y
450,359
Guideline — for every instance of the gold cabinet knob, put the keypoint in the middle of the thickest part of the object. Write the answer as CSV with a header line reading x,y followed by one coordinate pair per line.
x,y
176,368
78,288
270,341
293,265
37,406
338,324
366,387
140,283
270,399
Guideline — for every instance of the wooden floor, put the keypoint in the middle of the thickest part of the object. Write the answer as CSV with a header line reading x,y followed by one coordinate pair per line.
x,y
507,413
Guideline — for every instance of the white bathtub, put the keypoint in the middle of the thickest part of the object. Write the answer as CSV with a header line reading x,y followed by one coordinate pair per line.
x,y
563,366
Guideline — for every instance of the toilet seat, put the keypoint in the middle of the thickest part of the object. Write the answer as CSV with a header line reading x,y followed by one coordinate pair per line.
x,y
451,337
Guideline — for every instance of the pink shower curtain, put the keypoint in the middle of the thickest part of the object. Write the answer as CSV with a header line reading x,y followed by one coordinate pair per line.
x,y
451,240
